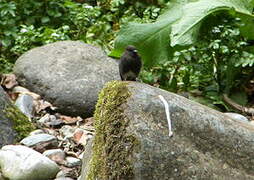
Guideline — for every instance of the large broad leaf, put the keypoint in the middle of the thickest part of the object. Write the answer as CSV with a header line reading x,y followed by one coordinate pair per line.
x,y
179,25
151,39
185,30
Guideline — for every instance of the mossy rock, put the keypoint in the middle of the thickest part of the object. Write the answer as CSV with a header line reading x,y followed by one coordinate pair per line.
x,y
21,123
132,138
113,145
14,125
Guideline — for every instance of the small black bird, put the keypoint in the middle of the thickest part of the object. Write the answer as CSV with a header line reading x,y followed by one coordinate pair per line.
x,y
130,64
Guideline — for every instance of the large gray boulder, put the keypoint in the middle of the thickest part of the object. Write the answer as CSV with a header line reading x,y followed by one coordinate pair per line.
x,y
7,133
69,74
132,138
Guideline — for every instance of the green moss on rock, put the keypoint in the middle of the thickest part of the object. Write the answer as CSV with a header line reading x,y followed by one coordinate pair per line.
x,y
21,123
113,146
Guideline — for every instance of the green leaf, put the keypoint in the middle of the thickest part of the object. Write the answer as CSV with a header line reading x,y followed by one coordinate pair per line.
x,y
45,19
240,98
6,42
248,29
151,39
173,84
115,53
185,30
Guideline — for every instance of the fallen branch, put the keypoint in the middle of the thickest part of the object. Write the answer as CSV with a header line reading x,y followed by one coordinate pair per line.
x,y
249,111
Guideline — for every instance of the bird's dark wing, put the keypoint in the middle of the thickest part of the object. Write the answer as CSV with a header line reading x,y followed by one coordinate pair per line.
x,y
125,64
137,65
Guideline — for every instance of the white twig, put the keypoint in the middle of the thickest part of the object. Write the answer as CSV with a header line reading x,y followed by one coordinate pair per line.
x,y
167,114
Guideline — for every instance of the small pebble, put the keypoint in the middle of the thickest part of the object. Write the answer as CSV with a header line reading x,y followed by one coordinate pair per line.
x,y
72,162
56,155
25,104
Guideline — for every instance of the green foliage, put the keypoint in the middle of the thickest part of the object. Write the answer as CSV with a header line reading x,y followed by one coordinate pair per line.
x,y
151,39
8,22
30,23
196,45
220,63
179,25
190,46
5,65
13,14
186,30
30,37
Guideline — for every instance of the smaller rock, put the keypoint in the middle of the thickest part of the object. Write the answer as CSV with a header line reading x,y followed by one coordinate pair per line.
x,y
20,90
37,131
54,121
64,178
56,155
40,142
49,121
237,116
38,138
67,131
44,119
21,162
72,162
25,104
67,172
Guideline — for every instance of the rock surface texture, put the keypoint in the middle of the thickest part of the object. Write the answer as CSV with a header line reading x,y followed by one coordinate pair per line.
x,y
7,133
69,74
206,144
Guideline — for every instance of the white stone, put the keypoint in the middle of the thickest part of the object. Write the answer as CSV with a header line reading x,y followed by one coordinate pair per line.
x,y
72,162
56,155
38,138
19,162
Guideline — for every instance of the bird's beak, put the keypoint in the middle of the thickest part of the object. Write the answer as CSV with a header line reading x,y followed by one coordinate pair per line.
x,y
135,50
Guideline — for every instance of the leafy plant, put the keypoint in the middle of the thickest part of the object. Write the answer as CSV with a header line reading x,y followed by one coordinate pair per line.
x,y
5,65
196,45
31,23
220,63
177,26
30,37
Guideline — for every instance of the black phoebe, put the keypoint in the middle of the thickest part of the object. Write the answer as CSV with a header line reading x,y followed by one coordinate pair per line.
x,y
130,64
